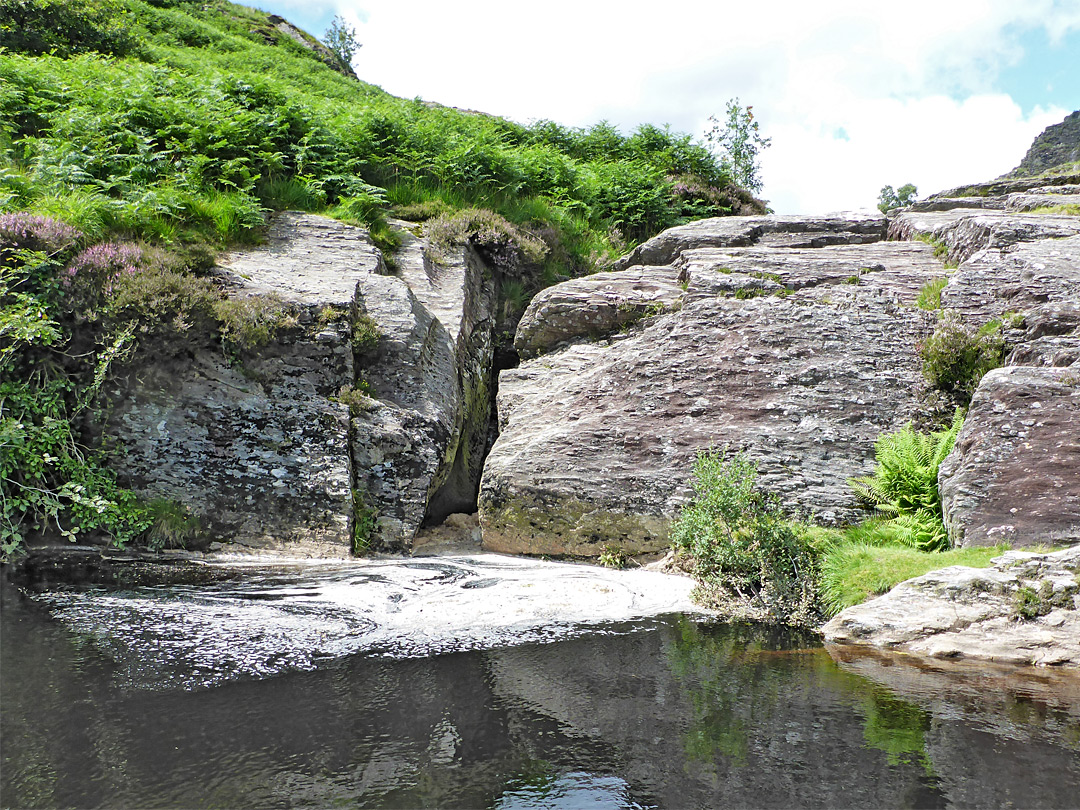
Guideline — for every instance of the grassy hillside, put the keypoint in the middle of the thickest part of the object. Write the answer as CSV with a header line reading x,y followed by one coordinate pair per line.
x,y
139,138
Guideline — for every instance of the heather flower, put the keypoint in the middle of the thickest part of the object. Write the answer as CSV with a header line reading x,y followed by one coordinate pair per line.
x,y
91,276
24,231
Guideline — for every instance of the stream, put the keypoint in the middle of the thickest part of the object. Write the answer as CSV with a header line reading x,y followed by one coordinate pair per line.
x,y
493,682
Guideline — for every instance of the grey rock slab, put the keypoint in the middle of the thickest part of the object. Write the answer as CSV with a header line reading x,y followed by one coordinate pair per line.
x,y
900,267
595,305
961,612
1059,352
598,440
830,229
418,444
967,231
1041,199
1023,278
306,259
1014,474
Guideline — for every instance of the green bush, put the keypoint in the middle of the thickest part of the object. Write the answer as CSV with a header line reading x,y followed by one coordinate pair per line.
x,y
247,323
956,356
739,542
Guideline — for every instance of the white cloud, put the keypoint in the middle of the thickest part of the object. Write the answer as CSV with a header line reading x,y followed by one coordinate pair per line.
x,y
912,87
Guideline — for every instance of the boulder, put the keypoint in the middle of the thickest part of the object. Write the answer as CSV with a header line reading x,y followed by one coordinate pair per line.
x,y
598,438
1023,610
1014,474
1020,279
965,231
595,305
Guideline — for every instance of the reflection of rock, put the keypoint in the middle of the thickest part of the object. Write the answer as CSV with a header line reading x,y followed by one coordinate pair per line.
x,y
703,718
1014,473
978,613
993,726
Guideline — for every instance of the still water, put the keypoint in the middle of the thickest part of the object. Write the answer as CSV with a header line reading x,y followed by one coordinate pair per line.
x,y
329,686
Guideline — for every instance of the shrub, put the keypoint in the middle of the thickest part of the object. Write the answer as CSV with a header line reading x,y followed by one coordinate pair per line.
x,y
956,356
613,556
500,239
904,485
739,542
171,524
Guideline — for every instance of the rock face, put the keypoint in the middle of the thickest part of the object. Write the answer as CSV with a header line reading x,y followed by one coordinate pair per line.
x,y
1014,473
419,444
254,444
1023,610
262,445
598,437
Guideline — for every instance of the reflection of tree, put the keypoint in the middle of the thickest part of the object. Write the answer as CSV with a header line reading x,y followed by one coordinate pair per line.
x,y
726,684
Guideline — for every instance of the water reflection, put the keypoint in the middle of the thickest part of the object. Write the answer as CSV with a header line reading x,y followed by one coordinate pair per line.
x,y
657,713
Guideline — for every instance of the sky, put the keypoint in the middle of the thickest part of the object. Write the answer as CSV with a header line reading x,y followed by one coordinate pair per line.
x,y
855,94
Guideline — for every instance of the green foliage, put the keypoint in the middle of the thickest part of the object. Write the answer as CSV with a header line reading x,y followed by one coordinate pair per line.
x,y
613,556
356,397
247,323
66,27
957,356
890,199
365,334
739,141
904,485
501,240
171,524
363,526
930,295
738,540
855,568
1070,209
340,38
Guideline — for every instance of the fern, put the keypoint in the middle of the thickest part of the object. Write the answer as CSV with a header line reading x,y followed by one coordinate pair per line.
x,y
905,483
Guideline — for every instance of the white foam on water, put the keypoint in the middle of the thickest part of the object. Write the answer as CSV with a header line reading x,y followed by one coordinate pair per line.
x,y
296,615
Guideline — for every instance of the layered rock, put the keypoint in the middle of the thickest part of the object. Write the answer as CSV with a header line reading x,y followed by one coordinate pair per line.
x,y
599,436
1023,610
778,231
254,444
1014,473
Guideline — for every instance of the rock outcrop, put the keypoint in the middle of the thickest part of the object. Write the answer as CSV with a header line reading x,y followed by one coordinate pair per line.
x,y
1023,610
1014,473
419,440
801,356
1058,145
363,418
254,444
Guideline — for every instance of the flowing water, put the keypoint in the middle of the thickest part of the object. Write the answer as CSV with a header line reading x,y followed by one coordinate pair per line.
x,y
486,681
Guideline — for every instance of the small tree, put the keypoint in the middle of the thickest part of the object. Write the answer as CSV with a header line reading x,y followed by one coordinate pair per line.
x,y
739,143
889,199
340,38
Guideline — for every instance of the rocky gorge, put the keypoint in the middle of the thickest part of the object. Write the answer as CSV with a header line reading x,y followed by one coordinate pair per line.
x,y
397,398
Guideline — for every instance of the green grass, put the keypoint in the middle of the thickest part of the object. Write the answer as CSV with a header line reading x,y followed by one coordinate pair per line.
x,y
1069,208
930,295
853,571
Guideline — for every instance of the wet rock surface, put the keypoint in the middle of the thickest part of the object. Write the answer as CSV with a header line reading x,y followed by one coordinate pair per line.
x,y
1023,610
1014,473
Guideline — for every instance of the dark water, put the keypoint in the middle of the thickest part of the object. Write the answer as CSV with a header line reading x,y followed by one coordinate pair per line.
x,y
665,712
